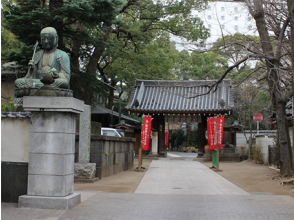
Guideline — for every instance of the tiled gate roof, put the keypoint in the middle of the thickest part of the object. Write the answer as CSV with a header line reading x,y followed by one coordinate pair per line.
x,y
157,96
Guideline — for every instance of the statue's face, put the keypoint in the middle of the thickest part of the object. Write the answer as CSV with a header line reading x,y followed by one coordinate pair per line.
x,y
48,40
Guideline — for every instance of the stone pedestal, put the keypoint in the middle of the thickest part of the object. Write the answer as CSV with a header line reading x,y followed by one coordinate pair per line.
x,y
51,152
155,143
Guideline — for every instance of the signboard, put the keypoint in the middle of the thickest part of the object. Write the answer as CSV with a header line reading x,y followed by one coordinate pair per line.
x,y
258,117
211,133
146,129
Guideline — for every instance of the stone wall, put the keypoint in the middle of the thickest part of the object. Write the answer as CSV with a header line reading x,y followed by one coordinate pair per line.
x,y
111,154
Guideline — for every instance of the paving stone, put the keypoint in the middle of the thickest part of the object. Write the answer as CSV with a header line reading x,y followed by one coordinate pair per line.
x,y
190,202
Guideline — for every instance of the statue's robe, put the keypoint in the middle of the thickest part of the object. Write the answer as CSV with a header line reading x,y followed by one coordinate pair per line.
x,y
58,60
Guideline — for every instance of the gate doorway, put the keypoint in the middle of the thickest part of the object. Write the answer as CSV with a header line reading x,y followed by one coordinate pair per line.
x,y
180,101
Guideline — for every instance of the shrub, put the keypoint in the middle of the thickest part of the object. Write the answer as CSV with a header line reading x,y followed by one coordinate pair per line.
x,y
243,152
10,107
178,136
275,160
257,155
192,149
194,137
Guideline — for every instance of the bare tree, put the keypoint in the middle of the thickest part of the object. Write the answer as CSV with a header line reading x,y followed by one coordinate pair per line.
x,y
274,52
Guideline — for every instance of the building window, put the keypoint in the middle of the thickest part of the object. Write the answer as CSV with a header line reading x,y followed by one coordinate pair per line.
x,y
236,27
222,8
196,16
223,26
249,27
236,9
236,18
223,17
209,17
209,7
209,26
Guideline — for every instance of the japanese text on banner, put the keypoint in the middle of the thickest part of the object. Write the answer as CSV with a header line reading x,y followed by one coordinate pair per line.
x,y
211,133
221,120
146,130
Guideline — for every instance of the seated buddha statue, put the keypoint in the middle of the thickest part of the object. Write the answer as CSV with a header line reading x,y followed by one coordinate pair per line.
x,y
49,60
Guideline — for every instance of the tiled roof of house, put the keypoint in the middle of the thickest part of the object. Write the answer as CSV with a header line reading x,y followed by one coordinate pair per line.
x,y
101,110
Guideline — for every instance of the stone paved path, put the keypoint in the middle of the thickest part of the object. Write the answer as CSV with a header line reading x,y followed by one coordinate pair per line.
x,y
203,195
184,176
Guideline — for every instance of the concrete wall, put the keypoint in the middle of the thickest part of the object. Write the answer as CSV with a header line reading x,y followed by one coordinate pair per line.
x,y
111,154
263,142
15,139
241,140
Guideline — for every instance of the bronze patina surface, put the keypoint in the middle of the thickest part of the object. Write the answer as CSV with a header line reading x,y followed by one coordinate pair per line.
x,y
49,61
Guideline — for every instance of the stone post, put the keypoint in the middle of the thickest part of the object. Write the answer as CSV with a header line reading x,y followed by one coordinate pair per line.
x,y
85,135
155,143
85,171
51,152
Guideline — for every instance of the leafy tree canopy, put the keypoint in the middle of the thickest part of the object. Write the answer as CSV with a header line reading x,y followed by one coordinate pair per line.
x,y
100,35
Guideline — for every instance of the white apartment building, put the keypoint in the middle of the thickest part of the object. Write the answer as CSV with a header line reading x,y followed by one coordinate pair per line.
x,y
222,17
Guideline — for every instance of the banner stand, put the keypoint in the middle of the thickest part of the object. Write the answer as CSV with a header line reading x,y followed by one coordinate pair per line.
x,y
215,153
145,140
215,161
139,168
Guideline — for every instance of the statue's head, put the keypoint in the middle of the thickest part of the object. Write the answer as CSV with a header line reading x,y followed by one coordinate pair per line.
x,y
49,38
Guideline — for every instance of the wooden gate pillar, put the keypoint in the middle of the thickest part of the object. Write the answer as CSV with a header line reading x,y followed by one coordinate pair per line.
x,y
201,136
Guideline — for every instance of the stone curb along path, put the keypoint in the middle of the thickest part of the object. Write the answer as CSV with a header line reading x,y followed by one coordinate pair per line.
x,y
180,189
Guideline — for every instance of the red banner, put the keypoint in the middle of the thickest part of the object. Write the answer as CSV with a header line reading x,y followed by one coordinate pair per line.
x,y
211,133
166,139
146,130
221,121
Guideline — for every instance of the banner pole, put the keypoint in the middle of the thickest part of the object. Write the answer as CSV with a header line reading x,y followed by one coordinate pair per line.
x,y
140,148
212,159
141,156
215,152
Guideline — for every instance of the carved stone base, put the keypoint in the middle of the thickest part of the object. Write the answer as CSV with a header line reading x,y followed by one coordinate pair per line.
x,y
18,93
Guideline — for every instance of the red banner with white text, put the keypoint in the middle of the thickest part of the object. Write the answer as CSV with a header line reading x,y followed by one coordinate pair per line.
x,y
146,130
166,140
221,121
211,133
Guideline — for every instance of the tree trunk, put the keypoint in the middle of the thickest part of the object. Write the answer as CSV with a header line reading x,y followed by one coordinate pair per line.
x,y
111,94
188,133
57,24
291,11
286,166
250,137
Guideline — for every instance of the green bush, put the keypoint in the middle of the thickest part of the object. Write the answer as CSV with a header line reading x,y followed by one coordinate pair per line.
x,y
194,137
178,136
9,107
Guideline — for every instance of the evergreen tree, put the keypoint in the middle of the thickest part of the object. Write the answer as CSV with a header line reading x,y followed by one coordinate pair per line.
x,y
100,33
